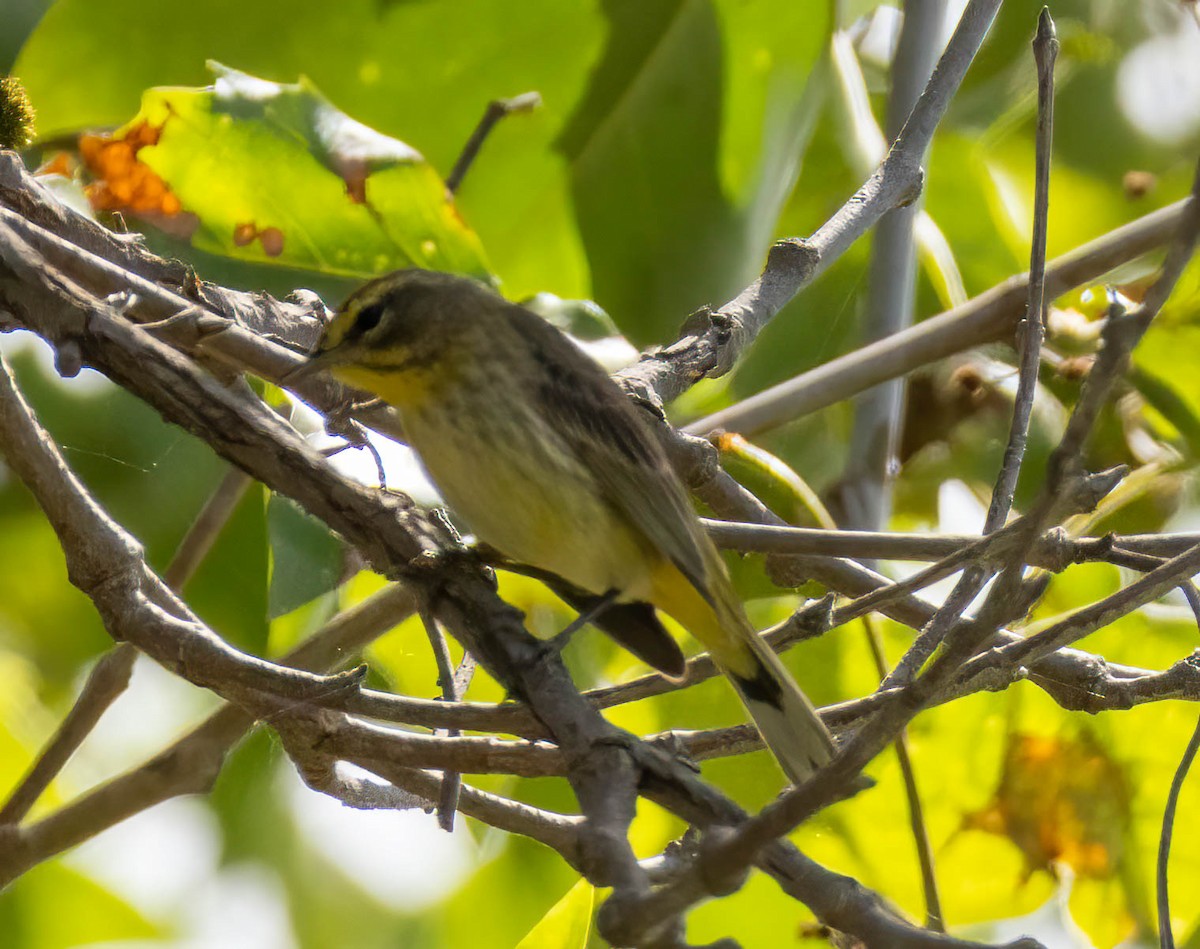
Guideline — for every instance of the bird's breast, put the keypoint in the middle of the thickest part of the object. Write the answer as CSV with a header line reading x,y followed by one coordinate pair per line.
x,y
519,488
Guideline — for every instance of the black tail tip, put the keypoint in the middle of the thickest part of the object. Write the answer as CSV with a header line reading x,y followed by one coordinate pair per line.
x,y
761,687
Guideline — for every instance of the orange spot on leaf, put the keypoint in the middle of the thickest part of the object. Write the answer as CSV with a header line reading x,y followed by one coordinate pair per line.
x,y
60,164
271,239
1060,801
124,183
356,186
244,233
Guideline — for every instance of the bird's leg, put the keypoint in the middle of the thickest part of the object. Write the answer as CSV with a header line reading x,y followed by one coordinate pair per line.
x,y
594,609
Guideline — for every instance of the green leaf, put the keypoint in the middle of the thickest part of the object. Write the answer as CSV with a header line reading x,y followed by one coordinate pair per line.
x,y
152,479
306,559
420,71
670,140
230,588
55,907
275,173
567,924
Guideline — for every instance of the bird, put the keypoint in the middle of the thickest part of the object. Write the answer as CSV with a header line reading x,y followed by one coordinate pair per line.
x,y
545,459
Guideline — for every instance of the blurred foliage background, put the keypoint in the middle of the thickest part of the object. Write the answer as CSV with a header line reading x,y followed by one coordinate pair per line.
x,y
676,139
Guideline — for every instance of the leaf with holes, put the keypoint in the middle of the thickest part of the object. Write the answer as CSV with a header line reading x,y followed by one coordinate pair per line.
x,y
274,172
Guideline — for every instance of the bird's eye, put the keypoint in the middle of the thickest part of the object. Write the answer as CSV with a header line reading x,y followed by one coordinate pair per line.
x,y
368,318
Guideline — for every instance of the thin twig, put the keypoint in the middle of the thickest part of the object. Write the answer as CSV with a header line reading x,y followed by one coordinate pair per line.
x,y
874,638
1090,618
712,346
1049,551
989,317
495,111
1121,333
1166,938
191,764
110,676
451,780
976,555
557,831
1031,332
739,847
206,528
1065,675
934,918
107,680
865,488
1135,561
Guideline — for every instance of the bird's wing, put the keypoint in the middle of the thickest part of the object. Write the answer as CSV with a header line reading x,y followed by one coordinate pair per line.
x,y
606,431
634,626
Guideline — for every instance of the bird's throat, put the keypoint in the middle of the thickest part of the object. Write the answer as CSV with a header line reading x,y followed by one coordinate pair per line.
x,y
408,387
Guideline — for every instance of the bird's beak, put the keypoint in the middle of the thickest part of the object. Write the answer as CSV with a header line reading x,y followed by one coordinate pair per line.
x,y
309,368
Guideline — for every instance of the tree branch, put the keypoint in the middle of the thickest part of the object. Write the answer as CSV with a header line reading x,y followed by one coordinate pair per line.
x,y
496,110
864,492
714,341
1031,332
191,764
604,765
986,318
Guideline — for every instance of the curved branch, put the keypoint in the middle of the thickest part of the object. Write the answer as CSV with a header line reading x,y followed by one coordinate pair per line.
x,y
714,341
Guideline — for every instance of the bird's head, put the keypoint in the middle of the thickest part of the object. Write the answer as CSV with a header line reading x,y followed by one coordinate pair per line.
x,y
404,323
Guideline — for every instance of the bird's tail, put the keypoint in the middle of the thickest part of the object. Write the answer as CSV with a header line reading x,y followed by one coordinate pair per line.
x,y
783,714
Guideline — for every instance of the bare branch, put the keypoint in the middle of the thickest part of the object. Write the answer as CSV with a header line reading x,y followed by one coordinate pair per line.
x,y
205,530
1166,938
1050,551
604,765
110,677
988,317
451,780
228,338
1061,675
864,491
1031,331
713,345
557,831
191,764
1145,589
105,682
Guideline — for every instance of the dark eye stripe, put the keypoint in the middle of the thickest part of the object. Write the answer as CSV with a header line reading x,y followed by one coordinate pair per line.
x,y
368,318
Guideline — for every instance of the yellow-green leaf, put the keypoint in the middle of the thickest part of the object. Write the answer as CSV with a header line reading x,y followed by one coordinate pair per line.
x,y
273,172
567,924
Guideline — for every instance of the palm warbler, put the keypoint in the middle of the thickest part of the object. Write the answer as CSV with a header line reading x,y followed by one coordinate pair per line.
x,y
547,461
